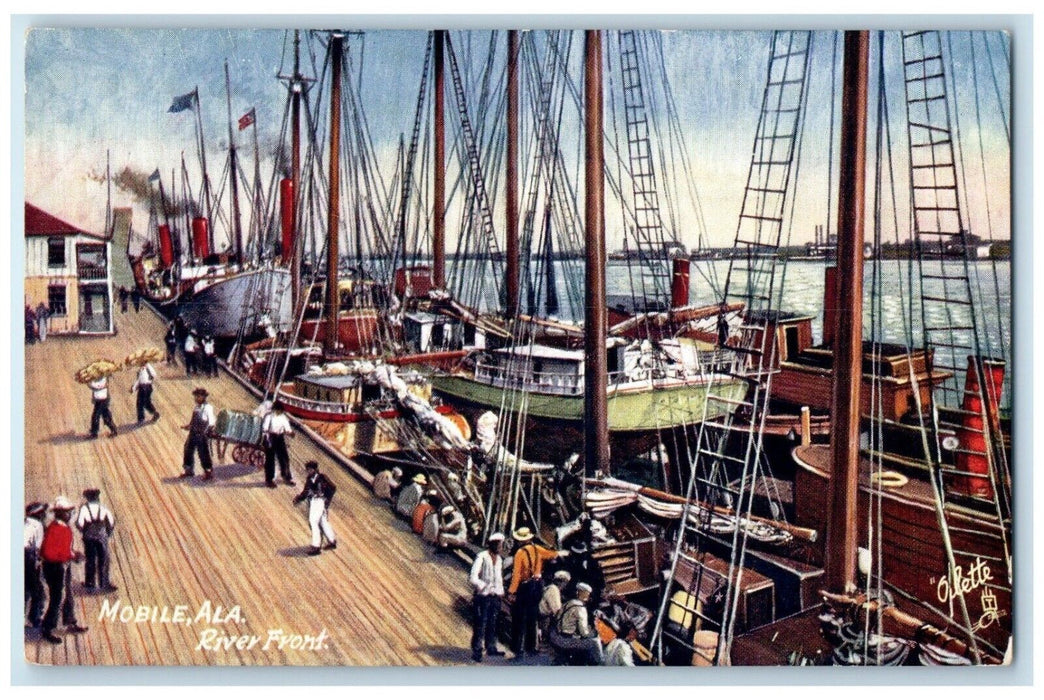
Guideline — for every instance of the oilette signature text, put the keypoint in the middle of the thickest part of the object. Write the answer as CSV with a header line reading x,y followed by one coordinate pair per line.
x,y
213,618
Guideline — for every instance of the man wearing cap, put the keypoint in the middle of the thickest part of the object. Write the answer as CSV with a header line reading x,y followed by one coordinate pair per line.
x,y
551,601
199,427
386,484
100,400
95,524
526,590
318,490
410,496
574,634
34,586
487,581
57,553
275,428
143,385
453,529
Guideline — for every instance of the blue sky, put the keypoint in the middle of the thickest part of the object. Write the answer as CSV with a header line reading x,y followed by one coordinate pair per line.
x,y
93,90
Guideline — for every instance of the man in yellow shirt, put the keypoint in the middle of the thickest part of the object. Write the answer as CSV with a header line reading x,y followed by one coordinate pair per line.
x,y
526,590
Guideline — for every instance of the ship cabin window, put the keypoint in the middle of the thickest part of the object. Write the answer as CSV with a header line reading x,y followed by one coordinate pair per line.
x,y
56,300
56,252
438,335
469,334
793,339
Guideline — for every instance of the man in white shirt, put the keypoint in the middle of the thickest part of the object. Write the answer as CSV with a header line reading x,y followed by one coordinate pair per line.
x,y
95,523
101,413
487,581
210,367
34,585
143,385
199,427
275,428
191,353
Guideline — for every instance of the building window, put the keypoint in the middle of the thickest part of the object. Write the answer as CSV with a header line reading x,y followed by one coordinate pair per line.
x,y
56,300
56,252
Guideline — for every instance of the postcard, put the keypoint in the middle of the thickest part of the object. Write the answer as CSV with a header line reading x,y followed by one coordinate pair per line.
x,y
518,347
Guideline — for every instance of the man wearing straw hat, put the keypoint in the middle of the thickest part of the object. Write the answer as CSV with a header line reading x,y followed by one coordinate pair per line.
x,y
275,428
199,428
526,590
487,581
58,554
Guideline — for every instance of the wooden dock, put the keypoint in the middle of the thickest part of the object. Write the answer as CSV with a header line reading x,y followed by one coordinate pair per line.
x,y
383,597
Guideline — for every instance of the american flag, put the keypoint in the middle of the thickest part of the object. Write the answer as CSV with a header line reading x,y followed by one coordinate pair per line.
x,y
247,119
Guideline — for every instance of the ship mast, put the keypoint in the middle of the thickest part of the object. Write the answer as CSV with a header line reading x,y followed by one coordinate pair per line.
x,y
511,213
237,229
842,533
596,428
294,254
438,232
333,299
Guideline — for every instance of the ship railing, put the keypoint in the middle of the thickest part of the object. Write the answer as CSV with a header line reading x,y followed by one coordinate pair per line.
x,y
528,380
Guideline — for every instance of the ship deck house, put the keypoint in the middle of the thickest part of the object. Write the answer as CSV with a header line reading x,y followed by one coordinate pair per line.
x,y
68,269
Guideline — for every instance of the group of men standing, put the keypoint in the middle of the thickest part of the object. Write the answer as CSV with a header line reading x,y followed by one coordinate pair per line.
x,y
198,350
36,322
536,605
49,555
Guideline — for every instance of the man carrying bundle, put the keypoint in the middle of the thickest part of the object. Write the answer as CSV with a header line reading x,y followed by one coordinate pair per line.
x,y
100,400
143,385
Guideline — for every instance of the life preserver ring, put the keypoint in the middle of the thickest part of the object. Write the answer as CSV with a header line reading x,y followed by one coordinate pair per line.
x,y
889,479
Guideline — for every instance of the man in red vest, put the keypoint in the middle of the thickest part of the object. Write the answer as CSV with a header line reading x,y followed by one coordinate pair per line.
x,y
58,554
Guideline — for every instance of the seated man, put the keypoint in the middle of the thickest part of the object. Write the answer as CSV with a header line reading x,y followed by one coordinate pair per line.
x,y
386,484
453,530
410,497
573,635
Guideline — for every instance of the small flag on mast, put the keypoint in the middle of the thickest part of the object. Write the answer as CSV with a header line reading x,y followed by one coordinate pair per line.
x,y
247,119
183,102
154,176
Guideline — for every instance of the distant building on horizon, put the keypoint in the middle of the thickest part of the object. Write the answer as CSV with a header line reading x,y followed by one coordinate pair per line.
x,y
68,269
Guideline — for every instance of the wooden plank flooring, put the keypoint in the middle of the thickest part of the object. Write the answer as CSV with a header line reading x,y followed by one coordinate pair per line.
x,y
382,596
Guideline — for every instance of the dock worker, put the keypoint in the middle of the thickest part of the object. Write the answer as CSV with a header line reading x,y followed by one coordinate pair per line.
x,y
95,523
318,492
30,324
209,356
143,385
526,590
386,484
123,299
551,601
618,652
171,341
34,586
453,530
410,496
135,296
430,528
487,582
426,507
275,429
100,401
574,634
57,554
191,353
199,428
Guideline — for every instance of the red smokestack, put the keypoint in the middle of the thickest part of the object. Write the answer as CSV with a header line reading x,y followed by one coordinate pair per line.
x,y
680,283
972,437
166,246
286,209
200,237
